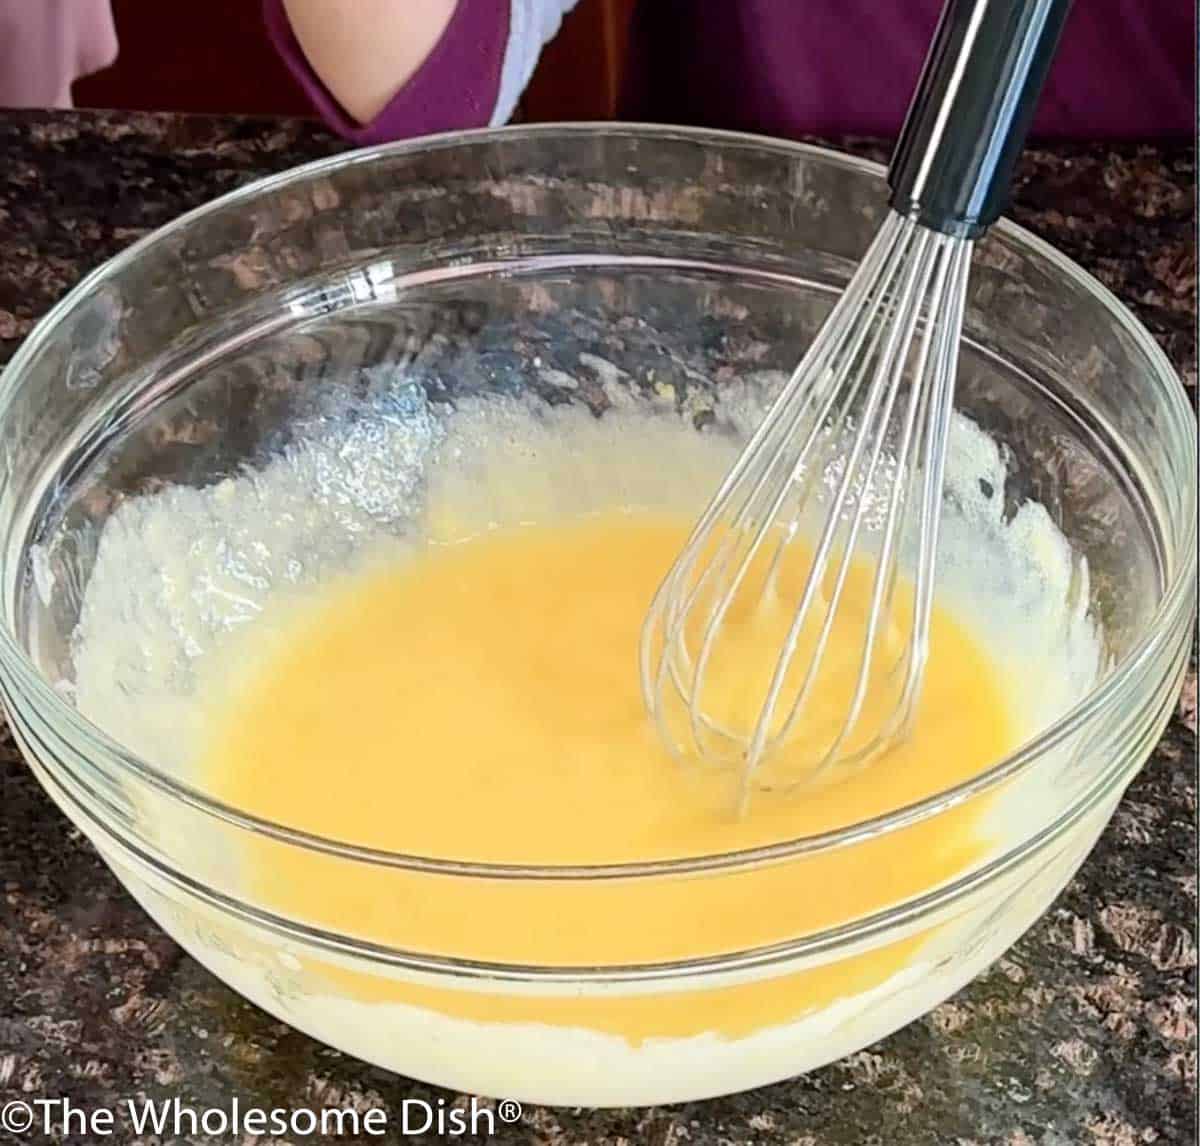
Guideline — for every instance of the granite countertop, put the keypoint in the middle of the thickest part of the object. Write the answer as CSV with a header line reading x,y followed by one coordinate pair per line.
x,y
1084,1033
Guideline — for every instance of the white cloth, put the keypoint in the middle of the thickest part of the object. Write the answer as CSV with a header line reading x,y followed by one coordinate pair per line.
x,y
532,25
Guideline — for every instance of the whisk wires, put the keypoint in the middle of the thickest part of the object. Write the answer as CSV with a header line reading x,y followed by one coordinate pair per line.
x,y
842,480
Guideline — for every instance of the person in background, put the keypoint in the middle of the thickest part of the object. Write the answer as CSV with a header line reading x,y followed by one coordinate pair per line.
x,y
46,45
379,70
389,69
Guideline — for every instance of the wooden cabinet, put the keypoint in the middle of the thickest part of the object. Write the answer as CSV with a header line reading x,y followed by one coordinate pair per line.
x,y
214,56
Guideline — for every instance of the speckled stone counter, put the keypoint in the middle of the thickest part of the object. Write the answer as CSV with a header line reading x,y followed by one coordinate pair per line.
x,y
1084,1033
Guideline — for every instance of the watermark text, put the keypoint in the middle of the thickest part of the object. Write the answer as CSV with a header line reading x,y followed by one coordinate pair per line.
x,y
63,1119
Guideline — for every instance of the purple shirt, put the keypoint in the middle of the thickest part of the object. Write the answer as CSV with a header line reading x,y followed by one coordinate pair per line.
x,y
1125,68
455,88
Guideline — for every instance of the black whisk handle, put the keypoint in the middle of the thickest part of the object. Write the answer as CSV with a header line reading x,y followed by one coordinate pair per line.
x,y
954,162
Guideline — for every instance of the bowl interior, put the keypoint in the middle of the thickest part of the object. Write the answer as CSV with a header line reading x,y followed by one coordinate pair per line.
x,y
666,266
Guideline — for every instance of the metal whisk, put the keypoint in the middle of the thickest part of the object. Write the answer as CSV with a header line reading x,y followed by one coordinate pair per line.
x,y
842,482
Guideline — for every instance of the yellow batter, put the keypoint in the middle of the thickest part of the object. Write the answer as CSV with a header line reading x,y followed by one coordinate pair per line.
x,y
480,701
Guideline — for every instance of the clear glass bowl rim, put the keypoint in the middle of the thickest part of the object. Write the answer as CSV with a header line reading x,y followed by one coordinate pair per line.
x,y
1170,615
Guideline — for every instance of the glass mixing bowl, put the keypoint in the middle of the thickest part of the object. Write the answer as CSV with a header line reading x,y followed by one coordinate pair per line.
x,y
559,262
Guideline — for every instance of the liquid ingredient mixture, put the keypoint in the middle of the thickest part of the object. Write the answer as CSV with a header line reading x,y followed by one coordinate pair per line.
x,y
480,701
417,629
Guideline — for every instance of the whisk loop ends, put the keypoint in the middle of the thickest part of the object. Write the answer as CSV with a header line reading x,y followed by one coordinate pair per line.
x,y
789,638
